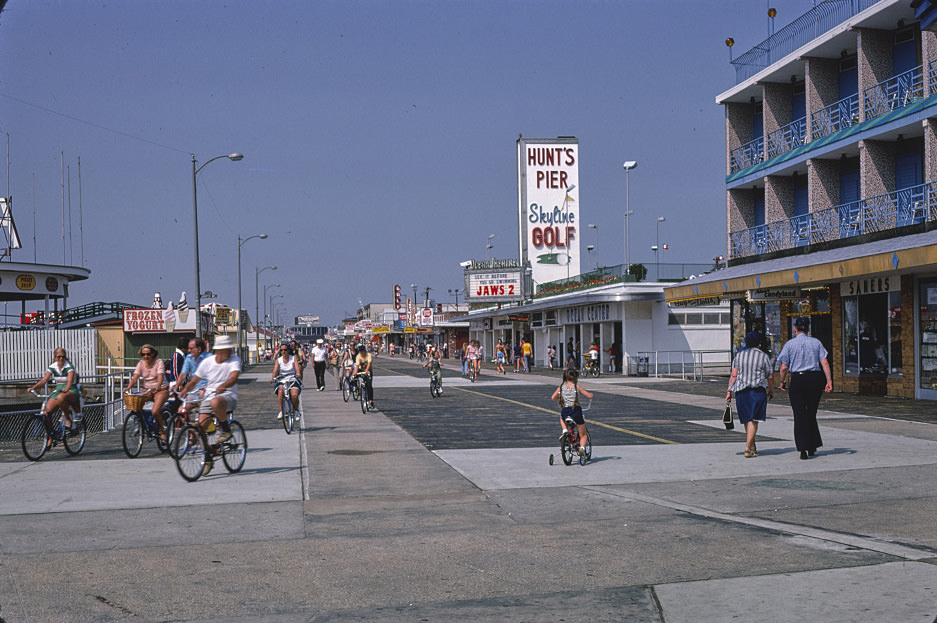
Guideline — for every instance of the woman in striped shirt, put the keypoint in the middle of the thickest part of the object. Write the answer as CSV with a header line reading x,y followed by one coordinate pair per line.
x,y
752,380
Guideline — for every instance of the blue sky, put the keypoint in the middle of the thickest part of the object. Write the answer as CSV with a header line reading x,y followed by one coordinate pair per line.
x,y
379,136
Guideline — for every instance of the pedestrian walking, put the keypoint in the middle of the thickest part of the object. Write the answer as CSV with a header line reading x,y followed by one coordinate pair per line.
x,y
806,360
752,380
319,360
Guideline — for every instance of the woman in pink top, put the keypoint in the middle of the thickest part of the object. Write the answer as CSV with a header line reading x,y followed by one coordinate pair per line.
x,y
152,372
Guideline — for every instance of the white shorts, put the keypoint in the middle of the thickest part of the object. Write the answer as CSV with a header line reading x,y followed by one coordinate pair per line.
x,y
230,401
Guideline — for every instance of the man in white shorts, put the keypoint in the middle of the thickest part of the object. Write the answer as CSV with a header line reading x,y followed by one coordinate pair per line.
x,y
220,372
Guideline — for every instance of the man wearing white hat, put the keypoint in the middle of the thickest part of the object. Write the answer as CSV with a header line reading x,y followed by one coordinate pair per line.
x,y
220,373
320,356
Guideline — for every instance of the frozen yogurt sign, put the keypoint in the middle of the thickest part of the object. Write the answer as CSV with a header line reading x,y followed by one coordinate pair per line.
x,y
548,207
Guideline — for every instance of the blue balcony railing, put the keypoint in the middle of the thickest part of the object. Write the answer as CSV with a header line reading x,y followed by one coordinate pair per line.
x,y
786,138
908,206
894,93
834,117
815,22
747,155
932,77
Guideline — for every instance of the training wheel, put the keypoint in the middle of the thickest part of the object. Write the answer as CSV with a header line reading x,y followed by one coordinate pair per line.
x,y
551,459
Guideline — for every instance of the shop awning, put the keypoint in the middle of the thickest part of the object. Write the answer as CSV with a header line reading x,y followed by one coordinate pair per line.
x,y
912,253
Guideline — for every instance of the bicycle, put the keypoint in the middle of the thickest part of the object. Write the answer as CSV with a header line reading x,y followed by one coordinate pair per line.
x,y
140,424
364,398
435,383
290,415
569,444
592,367
473,370
348,388
41,432
180,418
193,447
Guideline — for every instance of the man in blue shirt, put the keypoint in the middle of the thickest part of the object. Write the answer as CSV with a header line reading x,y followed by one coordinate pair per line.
x,y
196,355
805,358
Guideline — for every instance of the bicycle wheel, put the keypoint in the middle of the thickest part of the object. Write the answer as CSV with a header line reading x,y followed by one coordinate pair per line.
x,y
163,444
432,387
132,436
566,451
75,439
176,423
364,396
346,389
189,449
35,438
588,454
286,405
234,451
596,371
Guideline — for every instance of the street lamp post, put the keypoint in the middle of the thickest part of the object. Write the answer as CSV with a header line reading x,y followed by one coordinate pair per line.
x,y
275,285
589,250
489,246
272,299
198,286
456,294
571,188
660,219
240,307
260,319
596,228
628,212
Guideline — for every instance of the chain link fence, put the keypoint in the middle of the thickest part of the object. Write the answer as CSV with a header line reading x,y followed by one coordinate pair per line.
x,y
102,406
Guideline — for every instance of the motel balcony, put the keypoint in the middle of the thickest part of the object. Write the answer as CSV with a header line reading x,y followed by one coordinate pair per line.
x,y
880,217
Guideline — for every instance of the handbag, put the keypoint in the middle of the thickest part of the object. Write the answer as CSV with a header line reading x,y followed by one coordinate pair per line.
x,y
727,417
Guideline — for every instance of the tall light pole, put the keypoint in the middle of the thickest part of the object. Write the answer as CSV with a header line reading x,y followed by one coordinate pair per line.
x,y
596,228
590,249
456,294
260,319
272,299
489,246
566,216
275,285
240,307
198,285
628,212
660,219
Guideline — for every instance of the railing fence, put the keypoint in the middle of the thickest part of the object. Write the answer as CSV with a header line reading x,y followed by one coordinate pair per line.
x,y
26,354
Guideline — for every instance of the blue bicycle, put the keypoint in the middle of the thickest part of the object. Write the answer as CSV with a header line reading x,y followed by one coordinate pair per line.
x,y
140,424
42,433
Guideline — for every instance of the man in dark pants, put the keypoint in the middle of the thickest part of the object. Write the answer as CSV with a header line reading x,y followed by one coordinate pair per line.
x,y
806,359
319,361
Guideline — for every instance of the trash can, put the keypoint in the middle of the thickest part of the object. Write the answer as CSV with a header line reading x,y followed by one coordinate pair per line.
x,y
642,366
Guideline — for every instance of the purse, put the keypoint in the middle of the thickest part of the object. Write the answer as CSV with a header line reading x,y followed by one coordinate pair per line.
x,y
727,417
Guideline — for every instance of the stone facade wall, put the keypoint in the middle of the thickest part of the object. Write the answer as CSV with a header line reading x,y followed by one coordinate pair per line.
x,y
777,105
875,58
738,128
779,198
876,167
821,85
822,183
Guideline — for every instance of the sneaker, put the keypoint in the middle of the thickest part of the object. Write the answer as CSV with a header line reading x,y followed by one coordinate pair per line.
x,y
208,465
582,451
371,405
280,415
563,436
223,437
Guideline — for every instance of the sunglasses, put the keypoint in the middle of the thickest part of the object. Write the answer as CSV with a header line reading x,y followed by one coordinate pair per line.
x,y
148,354
60,357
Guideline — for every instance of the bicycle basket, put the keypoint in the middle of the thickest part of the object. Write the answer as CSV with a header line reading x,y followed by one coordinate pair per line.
x,y
134,402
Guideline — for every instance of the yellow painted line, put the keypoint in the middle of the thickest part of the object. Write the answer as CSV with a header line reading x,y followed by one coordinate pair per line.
x,y
552,412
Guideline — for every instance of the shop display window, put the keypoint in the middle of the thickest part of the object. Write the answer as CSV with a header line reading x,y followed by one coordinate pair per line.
x,y
872,334
928,345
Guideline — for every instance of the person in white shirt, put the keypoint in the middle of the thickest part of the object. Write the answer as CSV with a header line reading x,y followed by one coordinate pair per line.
x,y
320,356
221,372
287,364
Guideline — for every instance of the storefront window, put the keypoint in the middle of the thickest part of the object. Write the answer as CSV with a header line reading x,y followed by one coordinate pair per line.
x,y
928,335
872,334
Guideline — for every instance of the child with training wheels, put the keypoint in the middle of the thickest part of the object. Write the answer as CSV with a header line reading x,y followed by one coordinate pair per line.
x,y
567,395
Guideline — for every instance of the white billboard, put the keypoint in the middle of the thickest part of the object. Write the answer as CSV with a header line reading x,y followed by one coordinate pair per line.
x,y
548,206
494,286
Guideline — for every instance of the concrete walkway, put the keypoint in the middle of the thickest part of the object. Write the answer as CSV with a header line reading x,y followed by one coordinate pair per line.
x,y
352,519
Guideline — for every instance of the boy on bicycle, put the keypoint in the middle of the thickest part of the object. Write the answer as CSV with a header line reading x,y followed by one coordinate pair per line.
x,y
567,395
432,362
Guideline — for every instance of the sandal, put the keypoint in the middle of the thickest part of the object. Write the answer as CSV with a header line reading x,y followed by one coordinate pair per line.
x,y
749,452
